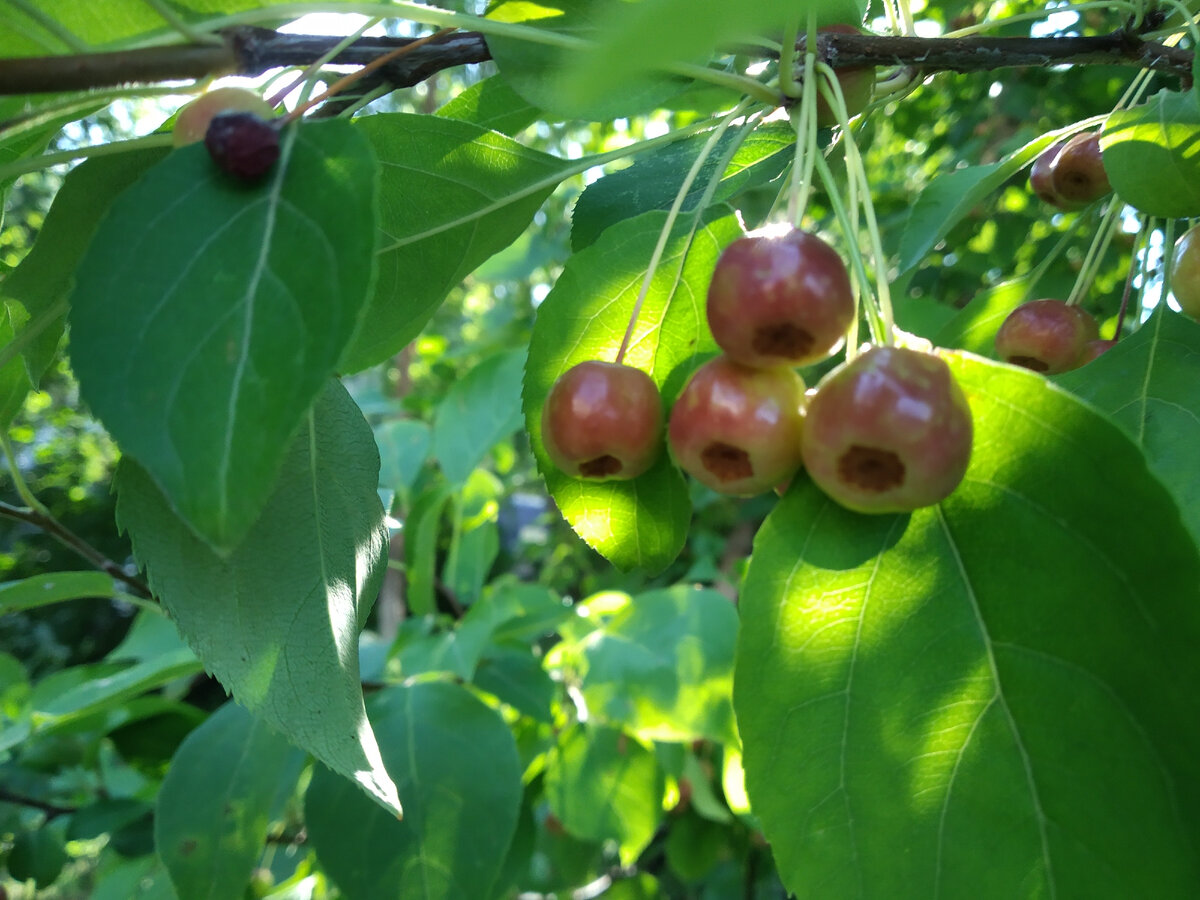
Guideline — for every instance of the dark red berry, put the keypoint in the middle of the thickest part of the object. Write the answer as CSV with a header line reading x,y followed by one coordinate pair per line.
x,y
242,144
889,431
603,421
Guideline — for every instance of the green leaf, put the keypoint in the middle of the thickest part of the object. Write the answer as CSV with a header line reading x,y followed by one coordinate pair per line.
x,y
513,676
71,694
535,69
451,195
38,855
654,179
297,589
213,809
642,522
45,276
456,764
475,542
14,380
41,590
1152,157
403,448
603,785
974,327
208,315
656,34
105,816
477,412
950,196
422,529
663,666
994,697
1146,384
26,127
492,104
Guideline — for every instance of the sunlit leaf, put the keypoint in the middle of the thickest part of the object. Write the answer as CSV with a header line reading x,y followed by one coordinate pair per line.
x,y
1152,157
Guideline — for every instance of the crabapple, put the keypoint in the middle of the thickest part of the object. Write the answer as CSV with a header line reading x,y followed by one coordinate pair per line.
x,y
193,118
889,431
737,429
779,299
1041,176
1078,171
603,421
1094,349
242,144
1045,335
1185,272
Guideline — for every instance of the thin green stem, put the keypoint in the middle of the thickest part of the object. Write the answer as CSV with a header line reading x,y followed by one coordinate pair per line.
x,y
308,75
1091,260
365,100
173,19
1139,242
18,478
906,17
787,59
989,23
1167,260
669,225
46,160
805,125
577,167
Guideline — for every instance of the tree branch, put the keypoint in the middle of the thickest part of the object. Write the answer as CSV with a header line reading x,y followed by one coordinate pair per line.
x,y
68,538
249,50
52,810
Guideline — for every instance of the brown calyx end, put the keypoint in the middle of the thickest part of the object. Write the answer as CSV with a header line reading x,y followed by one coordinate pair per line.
x,y
1029,362
601,467
726,462
782,339
871,469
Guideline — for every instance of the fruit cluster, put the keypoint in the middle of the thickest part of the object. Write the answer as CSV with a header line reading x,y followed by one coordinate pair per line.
x,y
1070,175
888,431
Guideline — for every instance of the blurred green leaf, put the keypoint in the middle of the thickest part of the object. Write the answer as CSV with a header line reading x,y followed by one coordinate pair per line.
x,y
455,762
403,449
38,855
479,410
492,104
985,697
41,590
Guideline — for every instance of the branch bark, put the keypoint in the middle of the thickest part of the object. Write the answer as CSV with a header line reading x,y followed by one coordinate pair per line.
x,y
252,51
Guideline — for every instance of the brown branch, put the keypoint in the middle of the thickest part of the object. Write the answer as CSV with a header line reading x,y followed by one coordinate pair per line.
x,y
251,51
70,539
52,810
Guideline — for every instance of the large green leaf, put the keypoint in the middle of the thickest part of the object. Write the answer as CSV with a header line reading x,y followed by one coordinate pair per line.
x,y
534,69
214,807
642,522
55,587
44,277
1147,384
1152,156
476,412
994,697
663,666
491,103
209,314
603,785
451,195
654,179
277,620
456,764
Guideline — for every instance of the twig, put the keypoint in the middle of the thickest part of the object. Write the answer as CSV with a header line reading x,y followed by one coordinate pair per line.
x,y
52,810
68,538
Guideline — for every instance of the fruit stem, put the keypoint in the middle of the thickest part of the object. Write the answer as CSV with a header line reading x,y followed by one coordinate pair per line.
x,y
32,164
314,67
856,171
787,59
1138,241
187,31
1167,252
804,123
342,83
669,224
1095,253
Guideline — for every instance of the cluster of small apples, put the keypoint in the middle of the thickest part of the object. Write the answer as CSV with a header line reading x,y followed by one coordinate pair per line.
x,y
236,127
1070,174
888,431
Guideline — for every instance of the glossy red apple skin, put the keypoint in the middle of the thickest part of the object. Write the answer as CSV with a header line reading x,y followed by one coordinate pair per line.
x,y
242,144
737,429
1094,349
1185,273
857,83
1046,336
194,117
1078,171
888,432
603,421
779,299
1041,177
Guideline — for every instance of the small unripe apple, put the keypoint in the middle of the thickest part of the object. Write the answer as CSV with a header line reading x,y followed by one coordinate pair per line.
x,y
1185,272
857,84
193,118
1041,177
603,421
1046,336
242,144
1078,171
889,431
737,429
779,299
